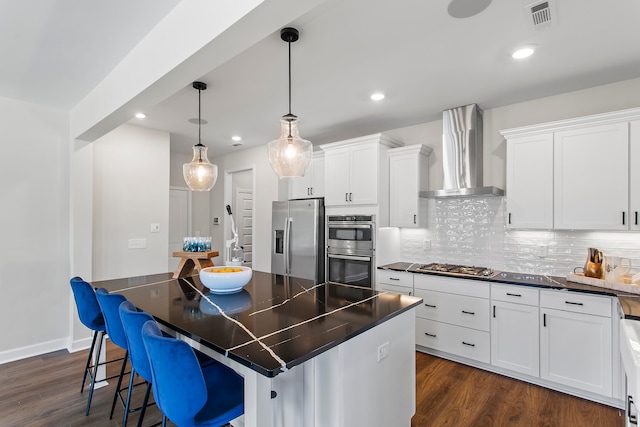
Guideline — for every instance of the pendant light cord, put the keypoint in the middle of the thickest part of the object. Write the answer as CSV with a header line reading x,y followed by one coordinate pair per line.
x,y
199,123
289,43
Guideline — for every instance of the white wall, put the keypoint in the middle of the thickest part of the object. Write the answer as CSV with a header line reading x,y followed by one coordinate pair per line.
x,y
131,191
34,229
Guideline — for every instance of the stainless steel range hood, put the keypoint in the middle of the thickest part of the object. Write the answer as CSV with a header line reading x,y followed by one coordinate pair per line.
x,y
462,155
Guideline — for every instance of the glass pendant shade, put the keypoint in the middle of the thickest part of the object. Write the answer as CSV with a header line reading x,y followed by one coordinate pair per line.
x,y
290,155
200,174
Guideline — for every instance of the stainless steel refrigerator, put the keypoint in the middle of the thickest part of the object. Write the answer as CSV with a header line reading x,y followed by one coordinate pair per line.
x,y
297,239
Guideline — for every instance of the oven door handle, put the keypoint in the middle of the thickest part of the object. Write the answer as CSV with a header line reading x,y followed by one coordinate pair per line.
x,y
352,257
332,225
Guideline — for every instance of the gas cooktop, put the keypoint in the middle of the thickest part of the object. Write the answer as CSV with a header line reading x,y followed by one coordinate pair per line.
x,y
457,270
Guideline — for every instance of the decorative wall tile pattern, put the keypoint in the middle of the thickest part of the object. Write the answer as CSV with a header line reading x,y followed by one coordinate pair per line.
x,y
472,231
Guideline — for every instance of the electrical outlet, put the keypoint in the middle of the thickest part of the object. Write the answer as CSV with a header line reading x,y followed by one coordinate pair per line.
x,y
426,245
155,227
383,351
542,250
137,243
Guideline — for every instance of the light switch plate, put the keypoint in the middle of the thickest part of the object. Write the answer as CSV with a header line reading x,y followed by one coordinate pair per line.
x,y
137,243
155,227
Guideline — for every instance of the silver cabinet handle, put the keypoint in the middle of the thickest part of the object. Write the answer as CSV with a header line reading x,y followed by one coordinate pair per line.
x,y
346,197
350,197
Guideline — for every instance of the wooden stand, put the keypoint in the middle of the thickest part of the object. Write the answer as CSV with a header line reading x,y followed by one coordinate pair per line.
x,y
191,260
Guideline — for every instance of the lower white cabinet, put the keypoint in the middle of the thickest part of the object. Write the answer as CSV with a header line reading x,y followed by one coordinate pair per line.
x,y
515,329
454,316
576,341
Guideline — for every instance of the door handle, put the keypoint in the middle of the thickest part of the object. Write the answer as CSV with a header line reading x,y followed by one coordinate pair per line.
x,y
494,311
346,197
636,217
414,219
623,217
350,197
509,217
633,419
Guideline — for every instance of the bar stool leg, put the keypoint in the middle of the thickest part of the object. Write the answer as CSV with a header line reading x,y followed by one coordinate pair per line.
x,y
86,368
95,372
115,396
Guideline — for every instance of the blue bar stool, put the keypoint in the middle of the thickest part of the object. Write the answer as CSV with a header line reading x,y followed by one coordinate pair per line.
x,y
91,316
186,393
110,305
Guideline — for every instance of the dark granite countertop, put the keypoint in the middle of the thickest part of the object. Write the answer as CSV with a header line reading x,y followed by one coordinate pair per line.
x,y
630,303
274,323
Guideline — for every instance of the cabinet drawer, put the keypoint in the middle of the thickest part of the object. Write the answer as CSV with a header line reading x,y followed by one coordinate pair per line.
x,y
396,278
457,310
514,294
469,287
464,342
396,289
575,302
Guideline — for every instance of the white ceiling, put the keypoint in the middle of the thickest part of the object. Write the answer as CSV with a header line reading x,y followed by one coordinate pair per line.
x,y
423,59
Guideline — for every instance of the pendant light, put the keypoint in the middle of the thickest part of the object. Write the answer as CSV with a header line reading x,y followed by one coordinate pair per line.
x,y
200,174
289,155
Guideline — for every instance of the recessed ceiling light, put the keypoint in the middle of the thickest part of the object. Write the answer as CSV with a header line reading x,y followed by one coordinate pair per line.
x,y
377,96
523,52
141,115
236,138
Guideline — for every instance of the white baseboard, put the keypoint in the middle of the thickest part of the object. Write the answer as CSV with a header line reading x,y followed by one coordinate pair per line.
x,y
33,350
79,345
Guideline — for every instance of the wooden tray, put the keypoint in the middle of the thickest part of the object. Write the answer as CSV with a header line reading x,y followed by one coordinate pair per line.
x,y
624,287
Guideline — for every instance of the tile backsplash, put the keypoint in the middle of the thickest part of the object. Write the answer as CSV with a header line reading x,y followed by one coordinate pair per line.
x,y
472,231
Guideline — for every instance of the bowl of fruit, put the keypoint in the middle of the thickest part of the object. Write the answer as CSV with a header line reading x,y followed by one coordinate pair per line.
x,y
225,280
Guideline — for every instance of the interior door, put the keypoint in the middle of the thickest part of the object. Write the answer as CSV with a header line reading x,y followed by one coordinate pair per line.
x,y
244,218
179,222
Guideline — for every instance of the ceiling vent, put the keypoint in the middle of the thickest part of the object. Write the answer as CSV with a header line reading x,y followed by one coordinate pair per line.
x,y
541,14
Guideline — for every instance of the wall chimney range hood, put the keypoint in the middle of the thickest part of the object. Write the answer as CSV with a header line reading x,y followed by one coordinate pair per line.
x,y
462,155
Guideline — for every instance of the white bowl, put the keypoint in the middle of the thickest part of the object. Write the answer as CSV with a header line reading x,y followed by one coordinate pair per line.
x,y
225,282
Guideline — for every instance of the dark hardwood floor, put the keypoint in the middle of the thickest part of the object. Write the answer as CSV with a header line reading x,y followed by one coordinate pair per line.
x,y
45,391
451,394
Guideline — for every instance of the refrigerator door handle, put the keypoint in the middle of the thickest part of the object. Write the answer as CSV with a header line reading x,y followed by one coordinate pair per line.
x,y
287,232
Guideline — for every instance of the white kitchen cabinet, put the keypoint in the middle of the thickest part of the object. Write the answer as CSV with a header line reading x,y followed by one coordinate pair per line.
x,y
454,316
530,182
515,329
312,183
408,176
357,171
399,282
634,175
591,178
576,341
596,185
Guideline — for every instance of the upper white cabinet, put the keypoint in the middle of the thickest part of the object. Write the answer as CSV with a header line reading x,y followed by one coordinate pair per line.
x,y
587,182
591,178
634,175
530,182
408,175
312,183
356,171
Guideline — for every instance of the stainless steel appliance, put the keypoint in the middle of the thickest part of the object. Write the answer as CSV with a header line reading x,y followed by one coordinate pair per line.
x,y
458,270
462,155
298,241
351,249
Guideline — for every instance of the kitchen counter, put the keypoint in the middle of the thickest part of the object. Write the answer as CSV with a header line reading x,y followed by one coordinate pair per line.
x,y
327,350
630,303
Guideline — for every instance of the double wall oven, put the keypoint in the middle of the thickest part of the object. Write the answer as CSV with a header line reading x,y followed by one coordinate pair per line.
x,y
351,249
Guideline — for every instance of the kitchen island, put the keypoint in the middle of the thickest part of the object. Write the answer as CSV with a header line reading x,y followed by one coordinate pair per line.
x,y
310,354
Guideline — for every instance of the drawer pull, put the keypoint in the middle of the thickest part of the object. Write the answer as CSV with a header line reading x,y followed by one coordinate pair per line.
x,y
514,295
429,305
430,335
633,419
573,303
469,344
394,278
468,312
